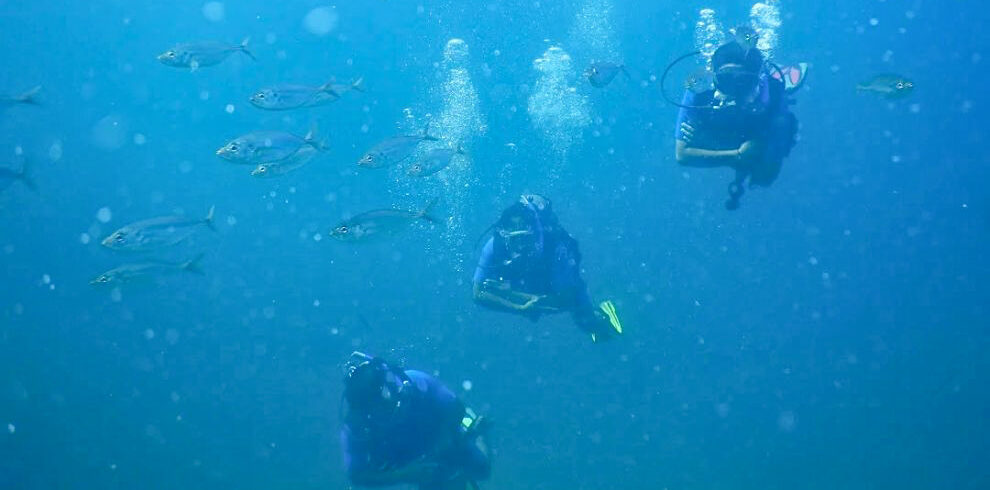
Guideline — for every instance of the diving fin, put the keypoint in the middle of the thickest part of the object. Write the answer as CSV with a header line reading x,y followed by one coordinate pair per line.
x,y
793,76
608,308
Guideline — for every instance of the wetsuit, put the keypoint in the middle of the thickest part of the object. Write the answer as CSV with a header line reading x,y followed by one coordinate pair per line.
x,y
426,424
768,119
555,272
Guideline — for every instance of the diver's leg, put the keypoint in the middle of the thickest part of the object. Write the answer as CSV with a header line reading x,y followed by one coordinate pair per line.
x,y
736,190
591,319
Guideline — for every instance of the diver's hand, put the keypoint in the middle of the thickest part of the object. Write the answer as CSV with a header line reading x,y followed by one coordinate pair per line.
x,y
530,303
687,132
747,152
546,304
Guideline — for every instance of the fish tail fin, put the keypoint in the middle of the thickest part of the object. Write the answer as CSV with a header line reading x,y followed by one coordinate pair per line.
x,y
358,84
30,97
208,220
194,265
313,138
425,213
426,134
243,47
25,176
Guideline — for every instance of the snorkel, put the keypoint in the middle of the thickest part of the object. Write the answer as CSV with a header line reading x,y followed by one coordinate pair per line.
x,y
529,202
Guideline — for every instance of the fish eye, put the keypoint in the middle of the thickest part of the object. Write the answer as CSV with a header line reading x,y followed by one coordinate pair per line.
x,y
342,229
119,238
900,84
103,279
233,147
170,54
260,95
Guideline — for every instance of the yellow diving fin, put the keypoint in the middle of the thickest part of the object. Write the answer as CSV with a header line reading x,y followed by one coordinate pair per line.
x,y
608,308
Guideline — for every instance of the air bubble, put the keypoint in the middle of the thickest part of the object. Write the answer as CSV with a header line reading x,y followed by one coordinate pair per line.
x,y
213,11
55,151
104,215
320,21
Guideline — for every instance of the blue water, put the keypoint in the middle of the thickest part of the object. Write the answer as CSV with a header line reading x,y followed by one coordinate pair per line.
x,y
832,333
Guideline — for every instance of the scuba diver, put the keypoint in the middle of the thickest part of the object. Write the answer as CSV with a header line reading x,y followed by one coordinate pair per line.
x,y
405,427
741,121
531,266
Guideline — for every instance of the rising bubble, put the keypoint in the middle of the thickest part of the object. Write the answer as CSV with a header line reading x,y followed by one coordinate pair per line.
x,y
213,11
320,21
110,133
55,151
555,107
104,215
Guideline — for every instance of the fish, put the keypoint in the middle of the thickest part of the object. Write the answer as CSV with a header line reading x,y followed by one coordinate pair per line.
x,y
282,167
434,161
202,54
601,73
284,97
8,176
145,271
889,85
30,98
379,224
268,146
156,233
394,150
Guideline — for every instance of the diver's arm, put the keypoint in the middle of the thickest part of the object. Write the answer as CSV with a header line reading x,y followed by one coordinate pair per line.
x,y
700,157
502,298
690,156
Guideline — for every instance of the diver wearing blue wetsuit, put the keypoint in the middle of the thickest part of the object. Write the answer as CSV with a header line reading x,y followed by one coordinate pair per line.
x,y
531,266
405,427
744,123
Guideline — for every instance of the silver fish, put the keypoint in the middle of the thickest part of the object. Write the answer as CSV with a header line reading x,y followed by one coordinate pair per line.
x,y
434,161
197,55
145,271
284,97
156,233
8,176
601,73
30,97
394,150
891,86
267,147
379,224
282,167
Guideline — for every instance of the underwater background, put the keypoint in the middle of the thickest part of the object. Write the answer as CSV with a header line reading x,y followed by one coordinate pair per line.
x,y
832,333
